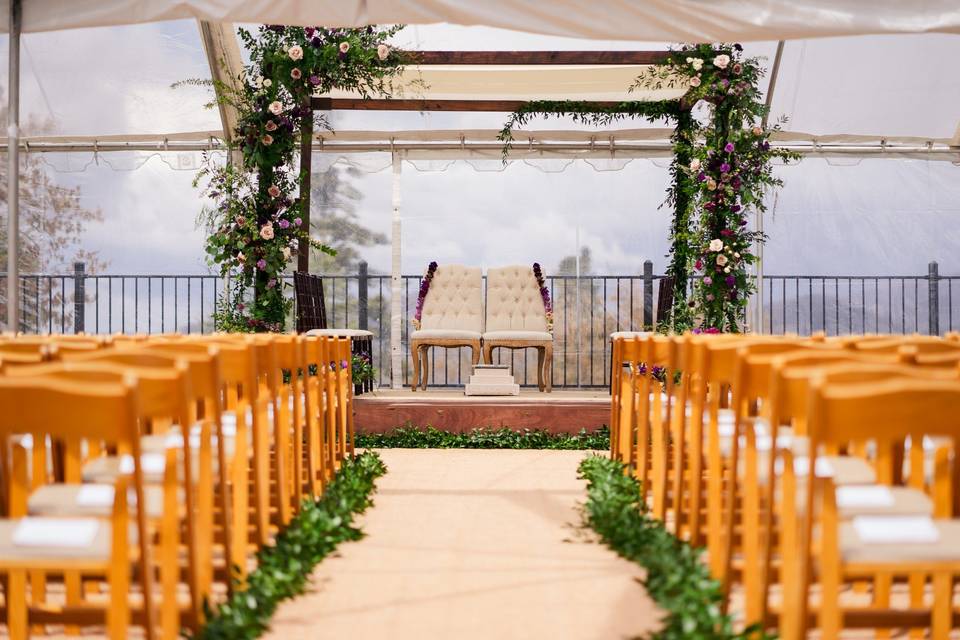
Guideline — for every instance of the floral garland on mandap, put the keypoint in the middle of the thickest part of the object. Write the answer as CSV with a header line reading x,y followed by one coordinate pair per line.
x,y
722,167
729,166
422,295
257,220
544,295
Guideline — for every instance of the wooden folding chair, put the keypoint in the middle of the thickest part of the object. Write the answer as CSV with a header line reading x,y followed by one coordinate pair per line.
x,y
883,413
73,413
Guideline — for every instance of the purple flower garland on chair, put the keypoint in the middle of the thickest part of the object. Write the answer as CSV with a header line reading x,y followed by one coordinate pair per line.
x,y
424,288
545,295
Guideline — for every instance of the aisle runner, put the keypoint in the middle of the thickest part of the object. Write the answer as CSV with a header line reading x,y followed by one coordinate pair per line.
x,y
472,544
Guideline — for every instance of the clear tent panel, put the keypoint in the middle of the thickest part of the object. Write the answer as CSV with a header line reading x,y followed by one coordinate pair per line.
x,y
113,80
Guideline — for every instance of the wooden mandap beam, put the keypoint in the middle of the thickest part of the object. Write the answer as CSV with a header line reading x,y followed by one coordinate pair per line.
x,y
537,57
388,104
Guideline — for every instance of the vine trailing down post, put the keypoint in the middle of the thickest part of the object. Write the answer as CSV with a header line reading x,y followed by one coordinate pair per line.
x,y
257,220
722,165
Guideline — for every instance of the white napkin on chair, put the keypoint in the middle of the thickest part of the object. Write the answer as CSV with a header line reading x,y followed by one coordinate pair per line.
x,y
55,532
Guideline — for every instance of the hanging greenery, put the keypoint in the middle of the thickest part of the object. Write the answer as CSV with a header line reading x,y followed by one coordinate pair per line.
x,y
257,220
720,169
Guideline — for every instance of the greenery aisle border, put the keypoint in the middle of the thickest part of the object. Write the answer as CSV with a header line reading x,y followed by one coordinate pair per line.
x,y
676,578
411,437
282,570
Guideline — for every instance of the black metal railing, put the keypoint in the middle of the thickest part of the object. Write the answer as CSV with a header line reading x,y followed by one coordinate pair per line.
x,y
586,311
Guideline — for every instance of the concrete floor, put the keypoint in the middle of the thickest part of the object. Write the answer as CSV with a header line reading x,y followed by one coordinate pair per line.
x,y
472,544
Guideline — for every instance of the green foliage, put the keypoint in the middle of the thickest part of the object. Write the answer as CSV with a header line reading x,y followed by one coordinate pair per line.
x,y
411,437
362,368
257,221
283,569
677,579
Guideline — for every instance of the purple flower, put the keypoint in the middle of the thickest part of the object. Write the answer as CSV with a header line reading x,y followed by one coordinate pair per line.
x,y
725,167
735,208
272,282
728,147
724,83
309,31
701,177
283,223
726,233
261,264
743,222
710,297
730,280
297,222
708,281
698,264
765,146
240,307
316,41
314,80
344,364
737,46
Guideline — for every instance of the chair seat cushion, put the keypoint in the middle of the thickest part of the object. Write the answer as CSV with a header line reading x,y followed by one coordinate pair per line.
x,y
946,549
531,336
444,334
628,334
89,500
96,552
341,333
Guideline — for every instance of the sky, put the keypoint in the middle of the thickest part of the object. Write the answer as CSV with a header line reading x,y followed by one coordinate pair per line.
x,y
866,217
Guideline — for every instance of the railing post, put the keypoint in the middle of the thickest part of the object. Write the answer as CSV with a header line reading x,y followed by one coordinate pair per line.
x,y
933,298
363,283
647,295
79,297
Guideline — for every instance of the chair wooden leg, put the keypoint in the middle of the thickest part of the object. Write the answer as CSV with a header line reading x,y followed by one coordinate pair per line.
x,y
942,606
17,604
540,357
475,353
415,356
424,366
488,354
548,367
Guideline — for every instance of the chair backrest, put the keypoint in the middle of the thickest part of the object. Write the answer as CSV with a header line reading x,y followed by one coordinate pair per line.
x,y
514,302
311,309
454,300
664,299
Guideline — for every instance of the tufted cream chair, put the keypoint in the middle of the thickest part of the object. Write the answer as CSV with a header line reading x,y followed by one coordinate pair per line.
x,y
516,318
452,316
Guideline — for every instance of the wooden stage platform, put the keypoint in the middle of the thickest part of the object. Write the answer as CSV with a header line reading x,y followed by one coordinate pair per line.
x,y
561,411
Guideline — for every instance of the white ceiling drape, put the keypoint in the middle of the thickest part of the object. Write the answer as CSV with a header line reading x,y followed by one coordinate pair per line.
x,y
651,20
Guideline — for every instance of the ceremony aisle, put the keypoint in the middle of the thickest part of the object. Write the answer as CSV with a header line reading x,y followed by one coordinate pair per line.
x,y
473,544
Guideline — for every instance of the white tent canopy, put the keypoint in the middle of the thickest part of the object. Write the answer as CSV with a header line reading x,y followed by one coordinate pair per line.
x,y
677,20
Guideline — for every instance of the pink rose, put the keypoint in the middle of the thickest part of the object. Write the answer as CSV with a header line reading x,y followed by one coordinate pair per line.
x,y
274,191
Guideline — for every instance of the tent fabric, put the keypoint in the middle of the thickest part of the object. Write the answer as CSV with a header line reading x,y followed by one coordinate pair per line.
x,y
670,20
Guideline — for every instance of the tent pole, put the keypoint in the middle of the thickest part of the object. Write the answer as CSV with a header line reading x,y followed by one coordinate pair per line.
x,y
13,171
396,282
758,312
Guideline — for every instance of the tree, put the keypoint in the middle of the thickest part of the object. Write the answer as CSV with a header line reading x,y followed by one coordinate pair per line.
x,y
568,264
334,220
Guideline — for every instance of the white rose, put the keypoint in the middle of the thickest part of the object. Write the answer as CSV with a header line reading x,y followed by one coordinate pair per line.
x,y
716,245
258,82
266,232
286,253
383,51
721,61
726,270
721,259
344,47
689,60
695,164
295,52
695,81
276,107
712,184
757,131
697,64
736,255
268,83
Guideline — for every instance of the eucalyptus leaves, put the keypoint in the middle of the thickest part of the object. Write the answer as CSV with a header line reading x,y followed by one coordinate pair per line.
x,y
258,221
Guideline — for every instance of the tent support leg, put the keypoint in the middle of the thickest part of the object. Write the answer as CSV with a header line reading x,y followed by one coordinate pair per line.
x,y
396,285
13,171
